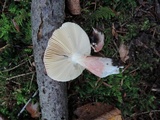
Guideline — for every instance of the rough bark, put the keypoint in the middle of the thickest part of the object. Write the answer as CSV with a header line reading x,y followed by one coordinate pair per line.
x,y
48,15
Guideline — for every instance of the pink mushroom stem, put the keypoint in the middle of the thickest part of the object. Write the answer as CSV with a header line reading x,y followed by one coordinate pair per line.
x,y
99,66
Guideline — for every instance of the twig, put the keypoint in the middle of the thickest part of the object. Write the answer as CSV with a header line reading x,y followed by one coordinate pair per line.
x,y
155,90
27,59
4,47
154,31
121,32
99,79
19,75
2,77
134,70
30,47
14,67
27,103
101,82
142,113
116,45
95,4
31,80
16,83
126,67
122,82
156,52
4,5
98,85
107,85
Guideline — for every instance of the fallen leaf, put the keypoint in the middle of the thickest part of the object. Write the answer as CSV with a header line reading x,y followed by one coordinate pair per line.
x,y
33,110
123,51
15,25
97,40
97,111
114,33
74,7
114,114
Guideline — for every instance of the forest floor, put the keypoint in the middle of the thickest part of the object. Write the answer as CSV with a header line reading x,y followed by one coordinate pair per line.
x,y
133,24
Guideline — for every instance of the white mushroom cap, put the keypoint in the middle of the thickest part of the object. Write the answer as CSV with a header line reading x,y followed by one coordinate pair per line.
x,y
65,46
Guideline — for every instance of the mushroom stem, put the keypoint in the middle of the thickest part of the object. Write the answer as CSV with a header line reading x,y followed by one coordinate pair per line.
x,y
101,67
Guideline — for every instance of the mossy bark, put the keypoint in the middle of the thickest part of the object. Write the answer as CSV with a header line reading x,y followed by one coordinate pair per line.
x,y
48,15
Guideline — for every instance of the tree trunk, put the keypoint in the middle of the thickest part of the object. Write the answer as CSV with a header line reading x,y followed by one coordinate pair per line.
x,y
48,15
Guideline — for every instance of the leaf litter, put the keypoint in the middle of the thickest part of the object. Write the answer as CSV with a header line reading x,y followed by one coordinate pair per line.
x,y
124,52
97,111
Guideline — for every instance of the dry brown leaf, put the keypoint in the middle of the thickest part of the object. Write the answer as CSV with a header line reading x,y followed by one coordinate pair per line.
x,y
74,7
114,114
123,51
114,33
97,40
33,110
16,25
97,111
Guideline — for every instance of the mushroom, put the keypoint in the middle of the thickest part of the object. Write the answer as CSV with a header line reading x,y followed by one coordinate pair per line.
x,y
68,54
